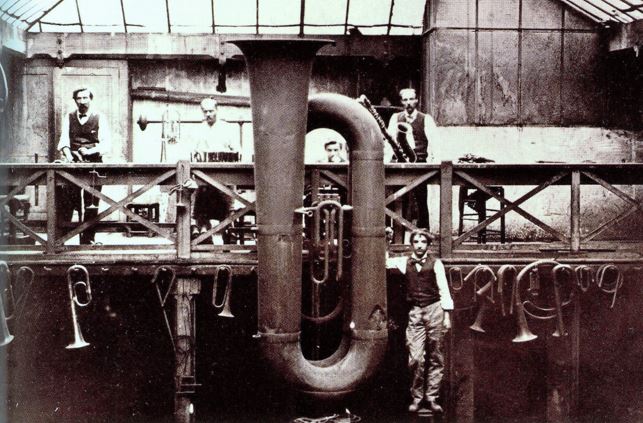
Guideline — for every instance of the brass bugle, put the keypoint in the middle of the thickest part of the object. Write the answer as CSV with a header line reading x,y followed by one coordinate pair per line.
x,y
476,326
455,278
560,324
475,274
225,301
524,334
584,276
503,279
5,275
79,341
613,287
486,300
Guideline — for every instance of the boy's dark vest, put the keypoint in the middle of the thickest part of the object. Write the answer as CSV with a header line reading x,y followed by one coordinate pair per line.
x,y
83,135
422,287
421,142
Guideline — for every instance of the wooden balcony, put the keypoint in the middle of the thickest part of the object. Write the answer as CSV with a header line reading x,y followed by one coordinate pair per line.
x,y
169,241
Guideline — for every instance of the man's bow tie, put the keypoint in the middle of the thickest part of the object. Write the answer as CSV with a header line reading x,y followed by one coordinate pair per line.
x,y
418,260
82,115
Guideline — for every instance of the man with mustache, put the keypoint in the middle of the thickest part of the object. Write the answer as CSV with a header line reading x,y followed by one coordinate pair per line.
x,y
84,137
424,133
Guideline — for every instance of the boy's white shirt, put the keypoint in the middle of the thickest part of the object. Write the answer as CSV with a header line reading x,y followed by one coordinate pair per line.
x,y
399,263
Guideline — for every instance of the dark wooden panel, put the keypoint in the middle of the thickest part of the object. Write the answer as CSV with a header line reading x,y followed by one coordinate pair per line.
x,y
540,75
583,97
32,125
453,57
497,101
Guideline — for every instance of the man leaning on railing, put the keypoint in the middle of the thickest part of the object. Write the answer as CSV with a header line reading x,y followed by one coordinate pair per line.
x,y
84,137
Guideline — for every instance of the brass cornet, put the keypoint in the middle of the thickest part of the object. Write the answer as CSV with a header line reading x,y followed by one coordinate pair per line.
x,y
84,284
225,301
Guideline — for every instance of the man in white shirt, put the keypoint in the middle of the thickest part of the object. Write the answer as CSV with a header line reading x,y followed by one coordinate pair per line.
x,y
424,135
427,291
217,139
84,137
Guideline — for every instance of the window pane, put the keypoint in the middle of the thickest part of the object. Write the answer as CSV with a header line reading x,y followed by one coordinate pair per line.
x,y
145,15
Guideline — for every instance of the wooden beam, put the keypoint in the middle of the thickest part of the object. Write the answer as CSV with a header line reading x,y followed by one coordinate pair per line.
x,y
574,229
203,46
52,213
446,209
183,210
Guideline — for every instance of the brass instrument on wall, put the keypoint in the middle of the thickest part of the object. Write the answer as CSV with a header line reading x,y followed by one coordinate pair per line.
x,y
400,145
75,288
532,273
279,72
505,273
224,304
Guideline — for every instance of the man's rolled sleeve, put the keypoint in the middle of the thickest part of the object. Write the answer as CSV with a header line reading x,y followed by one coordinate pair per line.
x,y
64,134
443,286
431,132
398,263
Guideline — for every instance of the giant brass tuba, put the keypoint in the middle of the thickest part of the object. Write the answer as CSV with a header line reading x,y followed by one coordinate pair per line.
x,y
279,72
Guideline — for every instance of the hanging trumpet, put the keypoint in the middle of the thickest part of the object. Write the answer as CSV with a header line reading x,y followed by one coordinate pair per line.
x,y
224,304
79,286
532,305
505,274
5,276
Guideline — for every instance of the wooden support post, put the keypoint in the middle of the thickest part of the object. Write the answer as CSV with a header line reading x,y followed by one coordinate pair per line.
x,y
184,338
446,205
52,214
574,231
183,210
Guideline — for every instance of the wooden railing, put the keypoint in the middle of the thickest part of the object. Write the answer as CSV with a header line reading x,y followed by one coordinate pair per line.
x,y
135,180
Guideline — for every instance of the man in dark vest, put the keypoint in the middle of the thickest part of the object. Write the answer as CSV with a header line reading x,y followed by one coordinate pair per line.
x,y
84,137
427,292
423,130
